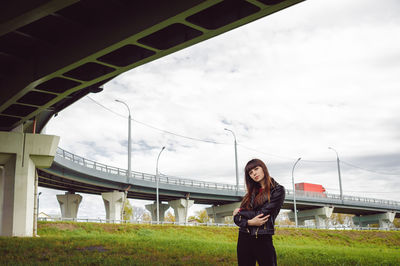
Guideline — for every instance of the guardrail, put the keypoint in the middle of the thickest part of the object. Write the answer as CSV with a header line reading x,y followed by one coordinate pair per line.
x,y
143,176
208,185
89,220
346,198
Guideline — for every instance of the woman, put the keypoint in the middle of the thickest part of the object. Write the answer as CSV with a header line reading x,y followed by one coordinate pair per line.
x,y
256,216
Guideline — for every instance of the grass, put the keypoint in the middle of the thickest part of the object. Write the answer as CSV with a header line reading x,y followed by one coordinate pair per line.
x,y
66,243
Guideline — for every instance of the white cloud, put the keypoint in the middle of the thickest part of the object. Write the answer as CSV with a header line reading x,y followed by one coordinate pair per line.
x,y
319,74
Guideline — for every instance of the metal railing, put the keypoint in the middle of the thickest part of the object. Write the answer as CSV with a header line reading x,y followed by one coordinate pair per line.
x,y
339,227
208,185
346,198
143,176
90,220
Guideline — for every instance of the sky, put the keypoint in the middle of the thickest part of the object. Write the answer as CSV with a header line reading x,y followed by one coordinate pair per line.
x,y
316,75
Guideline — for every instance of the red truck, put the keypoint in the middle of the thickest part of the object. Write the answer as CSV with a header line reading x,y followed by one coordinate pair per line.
x,y
312,190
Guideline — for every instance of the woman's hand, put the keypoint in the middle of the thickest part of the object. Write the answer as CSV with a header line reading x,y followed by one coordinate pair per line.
x,y
236,211
258,220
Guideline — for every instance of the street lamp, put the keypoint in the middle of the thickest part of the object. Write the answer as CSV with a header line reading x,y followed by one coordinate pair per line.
x,y
129,140
294,192
158,211
37,211
236,163
338,168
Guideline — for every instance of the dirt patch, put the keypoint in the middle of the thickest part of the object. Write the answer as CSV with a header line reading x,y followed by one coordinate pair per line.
x,y
186,258
288,232
60,226
110,228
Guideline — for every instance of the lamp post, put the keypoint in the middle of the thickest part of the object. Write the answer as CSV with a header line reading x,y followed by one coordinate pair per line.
x,y
236,163
37,211
129,141
294,192
338,168
157,201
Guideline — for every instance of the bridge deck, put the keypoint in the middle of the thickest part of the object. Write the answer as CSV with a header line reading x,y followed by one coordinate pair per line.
x,y
75,173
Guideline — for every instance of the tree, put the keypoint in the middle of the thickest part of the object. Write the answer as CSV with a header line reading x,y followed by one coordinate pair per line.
x,y
138,213
200,217
146,217
229,220
128,211
169,217
133,213
283,219
396,222
341,219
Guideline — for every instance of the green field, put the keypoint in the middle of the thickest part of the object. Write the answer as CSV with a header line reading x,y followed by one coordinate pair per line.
x,y
70,243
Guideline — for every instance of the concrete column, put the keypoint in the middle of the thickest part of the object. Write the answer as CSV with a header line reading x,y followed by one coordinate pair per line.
x,y
152,208
181,207
218,219
218,213
69,204
113,203
299,222
20,154
320,221
319,215
383,219
2,177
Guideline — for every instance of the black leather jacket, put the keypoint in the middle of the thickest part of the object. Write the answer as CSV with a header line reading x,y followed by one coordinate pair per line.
x,y
271,207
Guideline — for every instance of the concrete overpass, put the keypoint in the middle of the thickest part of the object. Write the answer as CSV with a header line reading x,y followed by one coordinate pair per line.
x,y
54,52
75,174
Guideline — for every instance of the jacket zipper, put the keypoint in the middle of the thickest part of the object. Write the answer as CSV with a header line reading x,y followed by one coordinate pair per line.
x,y
257,232
265,226
248,231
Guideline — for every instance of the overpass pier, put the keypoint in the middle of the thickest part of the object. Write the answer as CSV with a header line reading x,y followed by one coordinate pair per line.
x,y
20,155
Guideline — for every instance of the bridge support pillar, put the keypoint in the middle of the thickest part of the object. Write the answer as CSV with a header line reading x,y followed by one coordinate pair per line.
x,y
152,208
113,203
218,213
181,208
383,219
20,154
319,215
69,204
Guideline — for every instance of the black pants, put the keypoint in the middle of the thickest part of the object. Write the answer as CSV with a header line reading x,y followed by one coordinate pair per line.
x,y
251,249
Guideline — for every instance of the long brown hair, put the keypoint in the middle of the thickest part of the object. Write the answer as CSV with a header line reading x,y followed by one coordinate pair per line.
x,y
253,198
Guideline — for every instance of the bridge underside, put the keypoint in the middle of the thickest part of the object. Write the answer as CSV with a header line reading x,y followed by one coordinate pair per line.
x,y
54,52
302,206
56,180
60,178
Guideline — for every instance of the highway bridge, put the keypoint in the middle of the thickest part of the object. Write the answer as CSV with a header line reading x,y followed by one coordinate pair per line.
x,y
54,52
73,173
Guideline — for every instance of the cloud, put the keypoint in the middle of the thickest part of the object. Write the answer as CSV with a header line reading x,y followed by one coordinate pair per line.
x,y
289,85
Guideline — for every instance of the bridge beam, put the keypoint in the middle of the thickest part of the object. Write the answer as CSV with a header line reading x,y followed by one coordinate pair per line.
x,y
319,215
69,204
152,208
181,208
383,219
218,213
113,203
20,154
